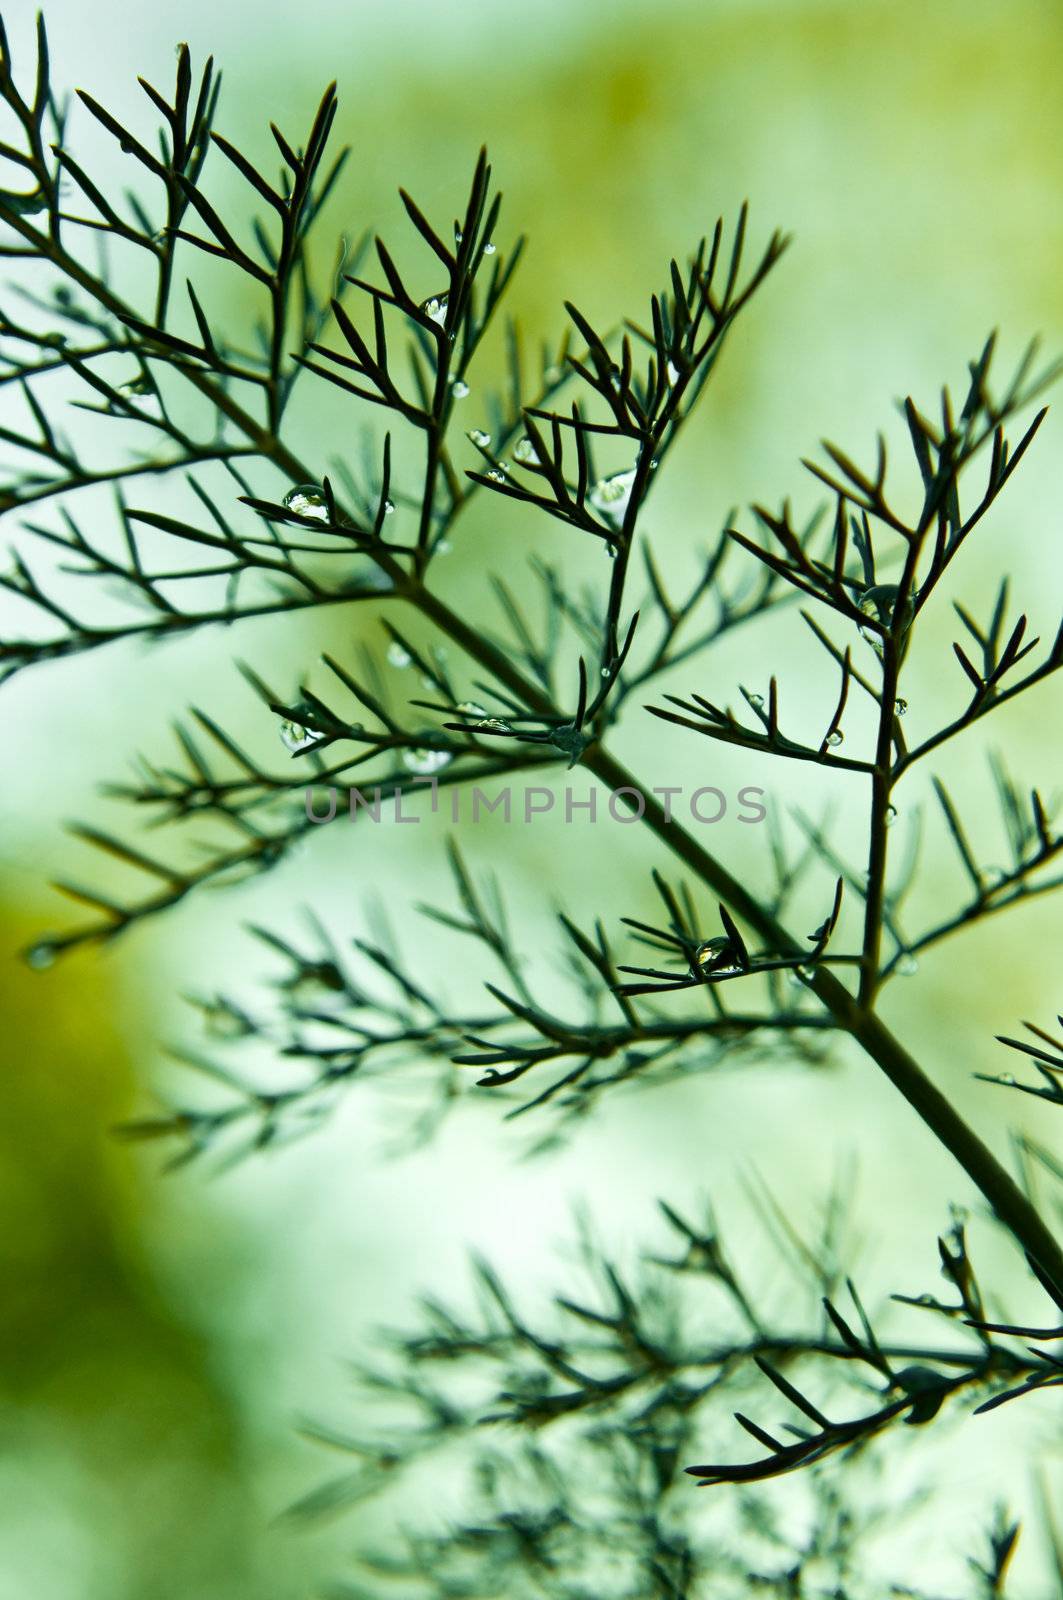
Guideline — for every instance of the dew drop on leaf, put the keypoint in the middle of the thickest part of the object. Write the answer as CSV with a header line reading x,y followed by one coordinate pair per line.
x,y
397,656
41,955
294,736
425,761
611,495
307,500
435,308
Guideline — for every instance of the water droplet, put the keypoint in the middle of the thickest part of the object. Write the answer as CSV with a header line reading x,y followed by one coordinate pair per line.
x,y
610,496
435,308
756,701
307,500
295,737
425,761
480,438
994,876
552,374
605,672
389,508
41,955
900,706
489,248
653,464
1009,1079
907,966
524,450
717,950
458,235
835,738
496,476
493,725
444,547
671,373
459,388
880,601
891,816
397,655
471,709
806,974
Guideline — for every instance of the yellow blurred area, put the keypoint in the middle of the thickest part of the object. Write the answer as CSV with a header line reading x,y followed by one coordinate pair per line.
x,y
160,1336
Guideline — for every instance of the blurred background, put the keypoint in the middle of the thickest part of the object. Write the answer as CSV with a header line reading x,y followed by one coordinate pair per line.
x,y
161,1337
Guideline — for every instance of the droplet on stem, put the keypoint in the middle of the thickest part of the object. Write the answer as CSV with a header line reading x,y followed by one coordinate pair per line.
x,y
307,500
435,308
41,955
425,761
397,655
295,737
611,495
719,955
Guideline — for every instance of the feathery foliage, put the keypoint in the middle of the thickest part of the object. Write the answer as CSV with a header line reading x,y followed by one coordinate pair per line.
x,y
626,1380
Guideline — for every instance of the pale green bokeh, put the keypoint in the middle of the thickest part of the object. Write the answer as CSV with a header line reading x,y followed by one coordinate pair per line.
x,y
168,1334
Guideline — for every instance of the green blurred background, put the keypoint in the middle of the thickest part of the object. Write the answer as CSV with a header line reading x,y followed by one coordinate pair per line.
x,y
159,1338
